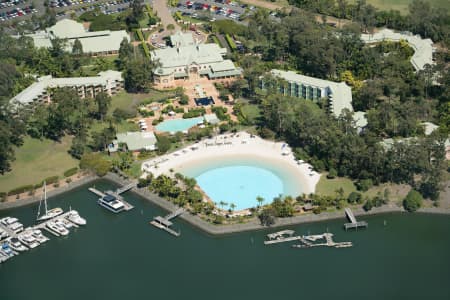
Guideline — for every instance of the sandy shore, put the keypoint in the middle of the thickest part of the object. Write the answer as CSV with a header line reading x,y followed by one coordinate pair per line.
x,y
240,147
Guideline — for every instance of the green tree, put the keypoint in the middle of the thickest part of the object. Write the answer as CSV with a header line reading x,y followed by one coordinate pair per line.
x,y
412,201
163,144
267,216
77,48
103,101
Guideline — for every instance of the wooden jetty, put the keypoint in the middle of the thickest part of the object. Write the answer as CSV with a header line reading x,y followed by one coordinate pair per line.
x,y
353,222
164,223
306,240
116,194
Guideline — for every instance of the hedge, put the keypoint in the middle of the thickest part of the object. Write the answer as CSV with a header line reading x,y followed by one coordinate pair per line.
x,y
178,16
51,180
230,42
216,40
21,189
71,172
143,43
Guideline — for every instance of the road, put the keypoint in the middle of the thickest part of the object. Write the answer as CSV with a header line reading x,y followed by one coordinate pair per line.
x,y
162,9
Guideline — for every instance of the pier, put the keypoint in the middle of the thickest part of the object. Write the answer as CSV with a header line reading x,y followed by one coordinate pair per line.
x,y
353,222
116,194
164,223
306,240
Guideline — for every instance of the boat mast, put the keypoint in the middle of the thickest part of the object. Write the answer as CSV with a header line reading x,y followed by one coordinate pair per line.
x,y
45,198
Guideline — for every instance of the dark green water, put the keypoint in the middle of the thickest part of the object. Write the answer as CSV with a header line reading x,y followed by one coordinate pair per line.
x,y
123,257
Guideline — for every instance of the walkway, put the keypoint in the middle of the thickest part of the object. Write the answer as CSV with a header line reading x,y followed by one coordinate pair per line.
x,y
161,8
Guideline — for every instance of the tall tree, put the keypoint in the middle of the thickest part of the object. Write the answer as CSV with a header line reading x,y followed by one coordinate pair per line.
x,y
77,48
103,101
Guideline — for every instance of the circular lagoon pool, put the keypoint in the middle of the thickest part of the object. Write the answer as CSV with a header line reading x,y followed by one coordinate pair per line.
x,y
241,181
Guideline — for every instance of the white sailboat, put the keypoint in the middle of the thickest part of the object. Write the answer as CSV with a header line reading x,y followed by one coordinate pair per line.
x,y
48,214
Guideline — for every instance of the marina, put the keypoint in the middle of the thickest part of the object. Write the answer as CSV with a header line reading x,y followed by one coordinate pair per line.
x,y
307,241
164,223
14,241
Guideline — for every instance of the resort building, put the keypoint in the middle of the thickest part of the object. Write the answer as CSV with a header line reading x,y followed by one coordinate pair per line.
x,y
423,48
40,92
134,141
191,61
95,43
339,94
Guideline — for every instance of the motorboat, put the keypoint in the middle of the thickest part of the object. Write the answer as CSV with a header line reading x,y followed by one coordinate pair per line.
x,y
47,214
37,234
16,227
16,245
8,221
27,239
74,217
111,203
7,250
57,227
3,234
65,223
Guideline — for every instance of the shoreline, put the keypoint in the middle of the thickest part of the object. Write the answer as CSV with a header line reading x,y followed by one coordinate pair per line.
x,y
220,230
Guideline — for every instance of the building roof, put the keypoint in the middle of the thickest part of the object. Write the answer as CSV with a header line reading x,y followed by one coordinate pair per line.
x,y
423,48
138,140
225,65
211,118
181,39
340,94
92,42
429,127
360,119
28,95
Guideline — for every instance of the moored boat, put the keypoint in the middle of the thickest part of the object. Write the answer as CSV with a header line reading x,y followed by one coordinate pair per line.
x,y
74,217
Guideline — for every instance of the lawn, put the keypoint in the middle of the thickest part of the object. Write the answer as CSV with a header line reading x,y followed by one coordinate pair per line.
x,y
402,5
251,112
329,186
37,160
128,101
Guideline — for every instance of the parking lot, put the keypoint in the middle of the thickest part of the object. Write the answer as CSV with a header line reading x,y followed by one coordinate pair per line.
x,y
20,9
216,9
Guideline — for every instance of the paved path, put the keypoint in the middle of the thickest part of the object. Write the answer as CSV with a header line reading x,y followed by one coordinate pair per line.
x,y
160,7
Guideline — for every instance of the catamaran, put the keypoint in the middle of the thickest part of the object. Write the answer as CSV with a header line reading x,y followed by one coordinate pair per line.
x,y
48,213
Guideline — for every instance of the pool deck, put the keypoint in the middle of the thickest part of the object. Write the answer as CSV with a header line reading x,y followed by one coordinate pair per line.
x,y
241,143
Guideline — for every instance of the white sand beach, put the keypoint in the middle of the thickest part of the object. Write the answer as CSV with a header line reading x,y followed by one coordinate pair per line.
x,y
239,146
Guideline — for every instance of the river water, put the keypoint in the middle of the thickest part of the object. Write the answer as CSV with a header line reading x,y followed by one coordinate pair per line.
x,y
123,257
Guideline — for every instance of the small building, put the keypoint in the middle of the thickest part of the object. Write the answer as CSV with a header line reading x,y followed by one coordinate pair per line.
x,y
429,127
137,141
211,119
181,39
109,82
95,43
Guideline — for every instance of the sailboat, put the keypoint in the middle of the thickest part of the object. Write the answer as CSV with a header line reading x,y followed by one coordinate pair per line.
x,y
48,214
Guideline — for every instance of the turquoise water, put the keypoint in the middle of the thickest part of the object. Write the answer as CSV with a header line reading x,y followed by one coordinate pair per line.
x,y
240,179
121,256
240,185
178,124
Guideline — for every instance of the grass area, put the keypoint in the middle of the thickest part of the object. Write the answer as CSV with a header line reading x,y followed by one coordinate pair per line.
x,y
402,5
251,112
128,101
123,126
329,186
97,63
37,160
397,192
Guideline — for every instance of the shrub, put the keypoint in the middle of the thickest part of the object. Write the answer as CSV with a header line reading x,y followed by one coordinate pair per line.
x,y
230,42
71,172
123,114
412,201
364,184
332,173
50,180
354,197
21,189
95,162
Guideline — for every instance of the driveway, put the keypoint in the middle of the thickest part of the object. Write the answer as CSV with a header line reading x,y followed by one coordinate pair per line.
x,y
161,8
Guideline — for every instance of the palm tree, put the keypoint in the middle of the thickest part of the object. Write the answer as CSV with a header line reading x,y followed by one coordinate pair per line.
x,y
222,204
232,206
260,200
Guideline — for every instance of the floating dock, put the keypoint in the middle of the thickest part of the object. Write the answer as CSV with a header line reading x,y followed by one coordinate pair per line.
x,y
116,194
353,222
306,240
164,223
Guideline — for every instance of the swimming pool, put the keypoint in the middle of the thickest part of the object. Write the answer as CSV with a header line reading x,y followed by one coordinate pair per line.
x,y
241,180
178,124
